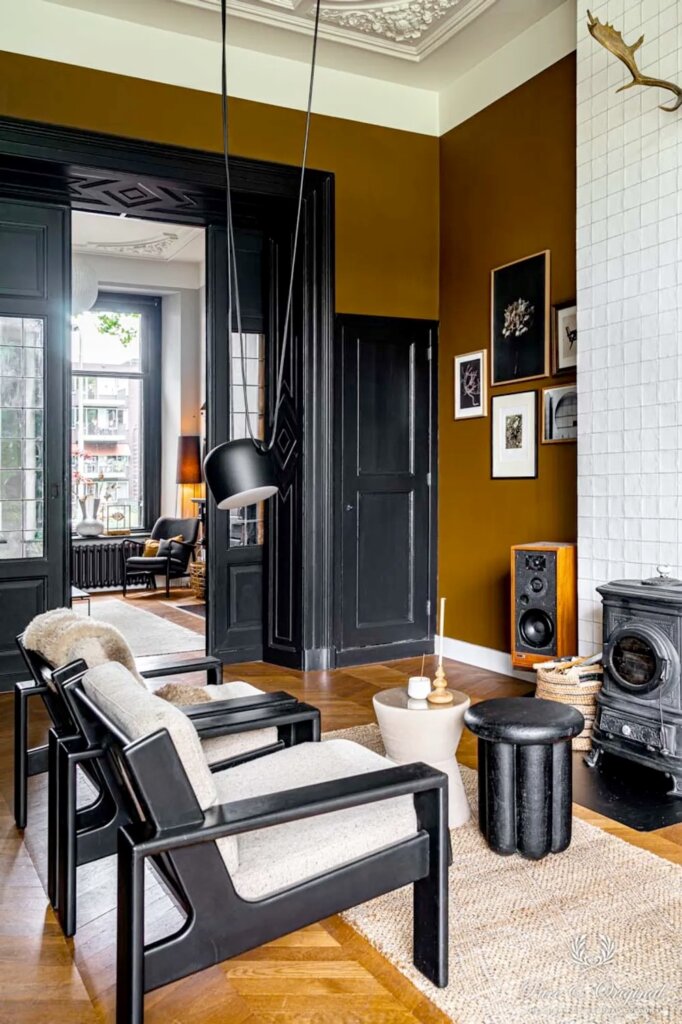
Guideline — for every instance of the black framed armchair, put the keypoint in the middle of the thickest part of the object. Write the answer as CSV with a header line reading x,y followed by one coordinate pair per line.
x,y
172,558
257,851
81,835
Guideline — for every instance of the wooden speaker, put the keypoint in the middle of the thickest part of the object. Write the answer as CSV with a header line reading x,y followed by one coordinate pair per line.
x,y
544,602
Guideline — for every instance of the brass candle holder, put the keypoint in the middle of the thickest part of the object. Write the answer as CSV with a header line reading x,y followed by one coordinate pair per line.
x,y
440,693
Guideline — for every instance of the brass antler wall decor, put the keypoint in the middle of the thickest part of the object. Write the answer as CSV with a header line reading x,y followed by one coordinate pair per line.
x,y
612,41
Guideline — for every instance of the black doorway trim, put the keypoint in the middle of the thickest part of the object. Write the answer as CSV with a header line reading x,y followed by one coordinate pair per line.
x,y
102,173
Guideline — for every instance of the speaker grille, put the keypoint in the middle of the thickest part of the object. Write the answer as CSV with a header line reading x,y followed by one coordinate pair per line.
x,y
535,601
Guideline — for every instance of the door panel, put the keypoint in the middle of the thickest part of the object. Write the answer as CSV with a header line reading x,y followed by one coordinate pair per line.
x,y
34,307
284,554
386,529
235,547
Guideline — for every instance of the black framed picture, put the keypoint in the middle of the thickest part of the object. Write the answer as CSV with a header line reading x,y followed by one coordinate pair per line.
x,y
514,436
565,338
519,343
471,385
559,414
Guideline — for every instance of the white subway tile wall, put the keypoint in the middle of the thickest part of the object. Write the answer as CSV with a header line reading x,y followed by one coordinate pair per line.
x,y
629,295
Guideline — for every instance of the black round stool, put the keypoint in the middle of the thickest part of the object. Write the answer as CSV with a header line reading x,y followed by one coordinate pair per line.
x,y
524,773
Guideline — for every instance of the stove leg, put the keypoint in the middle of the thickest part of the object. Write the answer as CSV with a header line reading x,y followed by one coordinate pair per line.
x,y
591,758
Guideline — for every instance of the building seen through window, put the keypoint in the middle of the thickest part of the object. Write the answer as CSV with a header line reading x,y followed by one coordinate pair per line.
x,y
107,414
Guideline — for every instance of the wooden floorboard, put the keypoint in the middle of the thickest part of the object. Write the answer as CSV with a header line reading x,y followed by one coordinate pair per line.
x,y
324,974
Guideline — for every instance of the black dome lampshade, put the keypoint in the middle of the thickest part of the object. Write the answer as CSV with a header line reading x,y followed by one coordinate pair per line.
x,y
238,473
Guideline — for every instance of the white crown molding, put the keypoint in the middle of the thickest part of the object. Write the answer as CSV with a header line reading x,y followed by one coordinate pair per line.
x,y
86,39
405,29
536,49
156,248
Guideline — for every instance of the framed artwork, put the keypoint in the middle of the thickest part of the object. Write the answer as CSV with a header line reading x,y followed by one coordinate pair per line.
x,y
519,344
471,385
565,337
514,436
559,414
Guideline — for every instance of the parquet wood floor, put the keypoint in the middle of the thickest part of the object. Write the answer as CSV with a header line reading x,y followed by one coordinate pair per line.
x,y
324,974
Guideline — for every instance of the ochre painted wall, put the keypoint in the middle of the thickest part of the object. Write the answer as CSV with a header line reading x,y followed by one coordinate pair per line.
x,y
507,188
386,180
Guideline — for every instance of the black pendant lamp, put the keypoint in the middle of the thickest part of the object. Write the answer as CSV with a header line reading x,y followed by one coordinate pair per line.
x,y
242,472
238,473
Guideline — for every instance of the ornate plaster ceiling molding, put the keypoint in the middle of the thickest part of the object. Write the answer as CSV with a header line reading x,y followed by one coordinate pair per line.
x,y
410,29
160,247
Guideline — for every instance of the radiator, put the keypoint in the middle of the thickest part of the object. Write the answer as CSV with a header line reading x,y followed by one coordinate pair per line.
x,y
96,564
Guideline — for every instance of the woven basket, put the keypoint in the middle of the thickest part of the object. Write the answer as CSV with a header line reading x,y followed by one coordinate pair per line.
x,y
575,686
197,579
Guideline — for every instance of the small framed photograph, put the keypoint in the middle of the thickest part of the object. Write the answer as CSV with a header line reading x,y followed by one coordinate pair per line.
x,y
565,338
471,385
559,414
519,346
515,436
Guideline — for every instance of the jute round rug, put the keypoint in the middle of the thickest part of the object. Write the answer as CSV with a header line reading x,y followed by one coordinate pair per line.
x,y
590,936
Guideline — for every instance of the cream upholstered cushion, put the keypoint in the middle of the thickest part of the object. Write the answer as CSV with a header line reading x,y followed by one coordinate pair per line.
x,y
137,712
220,748
279,857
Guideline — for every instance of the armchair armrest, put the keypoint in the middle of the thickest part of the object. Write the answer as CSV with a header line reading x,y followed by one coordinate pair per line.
x,y
29,688
206,664
130,547
244,714
257,702
289,805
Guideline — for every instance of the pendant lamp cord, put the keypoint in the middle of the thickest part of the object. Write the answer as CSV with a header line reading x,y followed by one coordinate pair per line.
x,y
231,248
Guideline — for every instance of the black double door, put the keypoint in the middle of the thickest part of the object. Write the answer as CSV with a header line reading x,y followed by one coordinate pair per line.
x,y
34,308
386,514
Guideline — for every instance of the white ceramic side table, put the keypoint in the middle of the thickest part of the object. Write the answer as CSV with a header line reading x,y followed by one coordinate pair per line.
x,y
414,730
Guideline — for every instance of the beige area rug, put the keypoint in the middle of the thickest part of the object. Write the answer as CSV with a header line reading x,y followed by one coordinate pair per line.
x,y
589,936
145,632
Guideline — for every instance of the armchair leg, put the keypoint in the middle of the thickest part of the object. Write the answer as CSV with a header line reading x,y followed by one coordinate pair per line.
x,y
20,757
430,894
125,582
130,934
52,818
66,843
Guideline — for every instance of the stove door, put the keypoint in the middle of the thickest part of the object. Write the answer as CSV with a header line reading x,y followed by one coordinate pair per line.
x,y
640,658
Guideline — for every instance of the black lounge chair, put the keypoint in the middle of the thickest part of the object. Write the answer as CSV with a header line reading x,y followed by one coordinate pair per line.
x,y
230,909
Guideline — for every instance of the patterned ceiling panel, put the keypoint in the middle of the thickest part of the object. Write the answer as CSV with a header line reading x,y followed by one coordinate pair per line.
x,y
411,29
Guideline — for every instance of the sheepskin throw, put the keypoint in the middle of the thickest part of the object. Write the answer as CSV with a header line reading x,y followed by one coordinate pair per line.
x,y
183,695
61,636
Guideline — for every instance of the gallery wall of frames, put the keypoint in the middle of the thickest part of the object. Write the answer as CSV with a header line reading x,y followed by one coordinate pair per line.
x,y
529,339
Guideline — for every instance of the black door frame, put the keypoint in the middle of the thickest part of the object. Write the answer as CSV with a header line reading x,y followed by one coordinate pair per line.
x,y
103,173
404,649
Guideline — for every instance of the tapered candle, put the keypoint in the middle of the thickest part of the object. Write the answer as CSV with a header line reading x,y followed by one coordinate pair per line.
x,y
442,630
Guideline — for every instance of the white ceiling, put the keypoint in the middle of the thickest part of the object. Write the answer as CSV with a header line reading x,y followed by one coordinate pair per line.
x,y
128,238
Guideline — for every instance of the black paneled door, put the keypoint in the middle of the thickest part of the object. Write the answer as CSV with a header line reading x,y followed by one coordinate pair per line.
x,y
34,306
386,522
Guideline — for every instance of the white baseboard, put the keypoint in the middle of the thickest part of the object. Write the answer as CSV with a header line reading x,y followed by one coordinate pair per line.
x,y
482,657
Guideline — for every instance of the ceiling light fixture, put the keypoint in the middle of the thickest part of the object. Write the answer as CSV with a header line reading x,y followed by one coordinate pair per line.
x,y
84,286
242,472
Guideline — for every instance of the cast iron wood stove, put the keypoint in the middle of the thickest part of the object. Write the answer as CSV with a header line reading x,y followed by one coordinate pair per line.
x,y
639,709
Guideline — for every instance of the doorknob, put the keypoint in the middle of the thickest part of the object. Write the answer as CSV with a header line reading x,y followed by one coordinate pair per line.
x,y
349,508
